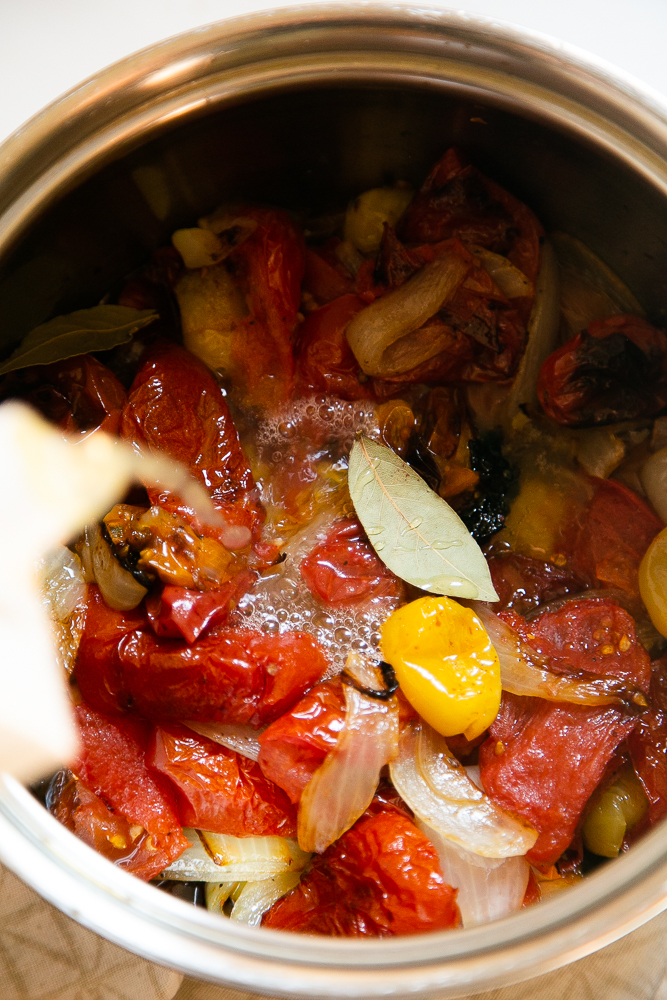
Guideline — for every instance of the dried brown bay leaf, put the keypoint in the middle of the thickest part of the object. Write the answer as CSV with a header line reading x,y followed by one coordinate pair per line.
x,y
413,530
97,329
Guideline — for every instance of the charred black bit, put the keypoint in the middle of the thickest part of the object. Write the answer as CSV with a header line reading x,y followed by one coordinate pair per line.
x,y
388,676
128,558
613,376
485,513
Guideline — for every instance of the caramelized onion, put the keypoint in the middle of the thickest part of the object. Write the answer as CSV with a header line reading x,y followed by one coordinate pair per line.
x,y
385,336
654,480
343,787
510,280
525,672
436,787
63,582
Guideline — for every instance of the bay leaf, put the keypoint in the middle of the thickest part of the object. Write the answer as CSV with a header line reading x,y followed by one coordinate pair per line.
x,y
97,329
413,530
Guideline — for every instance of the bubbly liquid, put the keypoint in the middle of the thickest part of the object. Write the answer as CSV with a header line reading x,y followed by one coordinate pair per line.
x,y
281,602
331,422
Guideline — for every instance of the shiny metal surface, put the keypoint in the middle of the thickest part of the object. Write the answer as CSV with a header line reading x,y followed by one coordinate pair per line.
x,y
304,108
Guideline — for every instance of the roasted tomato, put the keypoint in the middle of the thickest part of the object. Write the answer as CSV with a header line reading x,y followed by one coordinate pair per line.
x,y
382,878
344,569
457,200
125,843
614,532
543,760
322,279
176,405
648,744
113,765
81,395
231,675
615,370
324,358
523,583
178,613
269,268
98,670
219,790
294,746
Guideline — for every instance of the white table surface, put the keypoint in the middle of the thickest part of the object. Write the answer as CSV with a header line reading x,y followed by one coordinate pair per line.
x,y
48,46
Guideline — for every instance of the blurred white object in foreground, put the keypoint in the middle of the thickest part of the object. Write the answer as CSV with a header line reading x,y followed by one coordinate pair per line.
x,y
49,489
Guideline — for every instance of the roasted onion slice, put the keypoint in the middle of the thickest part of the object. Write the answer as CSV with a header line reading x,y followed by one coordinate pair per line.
x,y
438,790
385,336
241,739
343,787
524,672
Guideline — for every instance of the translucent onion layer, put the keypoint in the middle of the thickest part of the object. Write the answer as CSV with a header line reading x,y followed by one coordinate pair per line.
x,y
242,739
438,790
525,672
215,857
488,888
343,787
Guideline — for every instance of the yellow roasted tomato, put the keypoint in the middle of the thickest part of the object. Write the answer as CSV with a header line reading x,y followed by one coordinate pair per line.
x,y
445,663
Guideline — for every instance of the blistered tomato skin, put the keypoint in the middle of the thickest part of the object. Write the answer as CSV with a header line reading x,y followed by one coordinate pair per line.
x,y
445,663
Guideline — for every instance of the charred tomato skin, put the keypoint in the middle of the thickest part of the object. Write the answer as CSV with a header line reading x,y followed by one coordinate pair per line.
x,y
614,370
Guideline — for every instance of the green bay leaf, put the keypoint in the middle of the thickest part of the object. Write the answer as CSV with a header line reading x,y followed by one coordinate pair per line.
x,y
97,329
413,530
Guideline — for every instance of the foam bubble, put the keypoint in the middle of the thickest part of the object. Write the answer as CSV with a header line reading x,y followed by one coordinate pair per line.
x,y
324,419
281,602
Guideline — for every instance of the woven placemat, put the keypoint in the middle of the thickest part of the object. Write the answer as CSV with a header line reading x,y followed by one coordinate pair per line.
x,y
45,955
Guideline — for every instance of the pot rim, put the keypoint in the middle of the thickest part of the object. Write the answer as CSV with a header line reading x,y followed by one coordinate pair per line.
x,y
131,102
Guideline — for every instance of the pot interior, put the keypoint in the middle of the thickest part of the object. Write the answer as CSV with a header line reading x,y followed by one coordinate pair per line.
x,y
310,150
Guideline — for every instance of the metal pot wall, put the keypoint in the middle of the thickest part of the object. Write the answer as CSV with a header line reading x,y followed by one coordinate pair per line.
x,y
305,108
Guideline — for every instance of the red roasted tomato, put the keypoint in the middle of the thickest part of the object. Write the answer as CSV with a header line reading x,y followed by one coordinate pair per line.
x,y
295,745
543,760
457,200
98,670
176,405
325,361
614,532
81,394
113,766
648,744
344,569
230,675
270,266
382,878
219,790
125,843
615,370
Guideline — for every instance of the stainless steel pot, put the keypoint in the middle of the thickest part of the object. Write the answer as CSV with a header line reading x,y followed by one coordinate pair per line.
x,y
306,107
